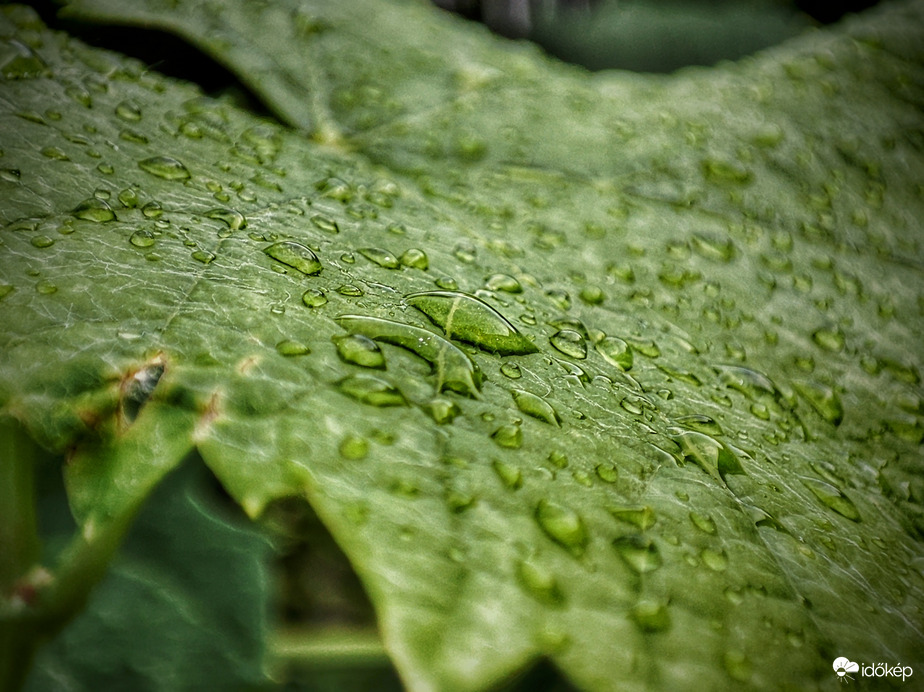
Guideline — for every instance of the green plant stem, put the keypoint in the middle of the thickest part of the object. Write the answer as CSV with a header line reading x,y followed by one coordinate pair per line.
x,y
325,647
19,547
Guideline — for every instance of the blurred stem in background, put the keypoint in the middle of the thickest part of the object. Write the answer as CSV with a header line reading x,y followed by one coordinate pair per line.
x,y
652,35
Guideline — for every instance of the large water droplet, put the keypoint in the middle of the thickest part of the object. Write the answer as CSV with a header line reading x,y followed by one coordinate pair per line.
x,y
381,257
616,352
535,406
511,370
470,319
94,209
371,390
360,350
749,382
455,370
832,498
296,256
539,582
569,342
640,553
164,167
641,517
129,111
709,454
510,475
562,525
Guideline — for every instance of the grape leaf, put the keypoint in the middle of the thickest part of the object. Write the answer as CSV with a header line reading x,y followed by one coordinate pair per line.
x,y
618,371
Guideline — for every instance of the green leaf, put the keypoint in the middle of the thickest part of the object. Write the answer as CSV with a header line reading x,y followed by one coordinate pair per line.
x,y
183,606
740,502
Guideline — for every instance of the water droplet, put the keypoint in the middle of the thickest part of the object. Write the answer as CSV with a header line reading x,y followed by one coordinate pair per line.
x,y
832,498
714,559
442,411
642,518
371,390
455,370
823,399
709,454
503,282
721,249
510,475
415,259
381,257
616,352
646,347
509,436
354,448
700,423
152,210
640,553
569,342
562,525
829,339
19,61
42,241
164,167
539,582
535,406
129,111
458,502
560,299
203,256
234,219
360,350
95,210
592,295
511,370
447,282
558,460
737,666
45,287
325,223
5,290
287,347
608,473
350,290
314,298
651,616
749,382
128,198
10,175
724,172
703,522
296,256
470,319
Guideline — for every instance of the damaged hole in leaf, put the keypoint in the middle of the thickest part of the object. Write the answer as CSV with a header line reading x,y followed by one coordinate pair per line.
x,y
137,388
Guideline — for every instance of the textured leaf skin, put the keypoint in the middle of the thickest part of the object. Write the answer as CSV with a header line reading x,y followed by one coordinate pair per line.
x,y
752,232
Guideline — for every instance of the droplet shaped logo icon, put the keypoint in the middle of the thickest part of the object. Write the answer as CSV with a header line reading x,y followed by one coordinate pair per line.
x,y
842,666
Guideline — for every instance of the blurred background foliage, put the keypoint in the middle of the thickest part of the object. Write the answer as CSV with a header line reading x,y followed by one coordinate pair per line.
x,y
652,35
